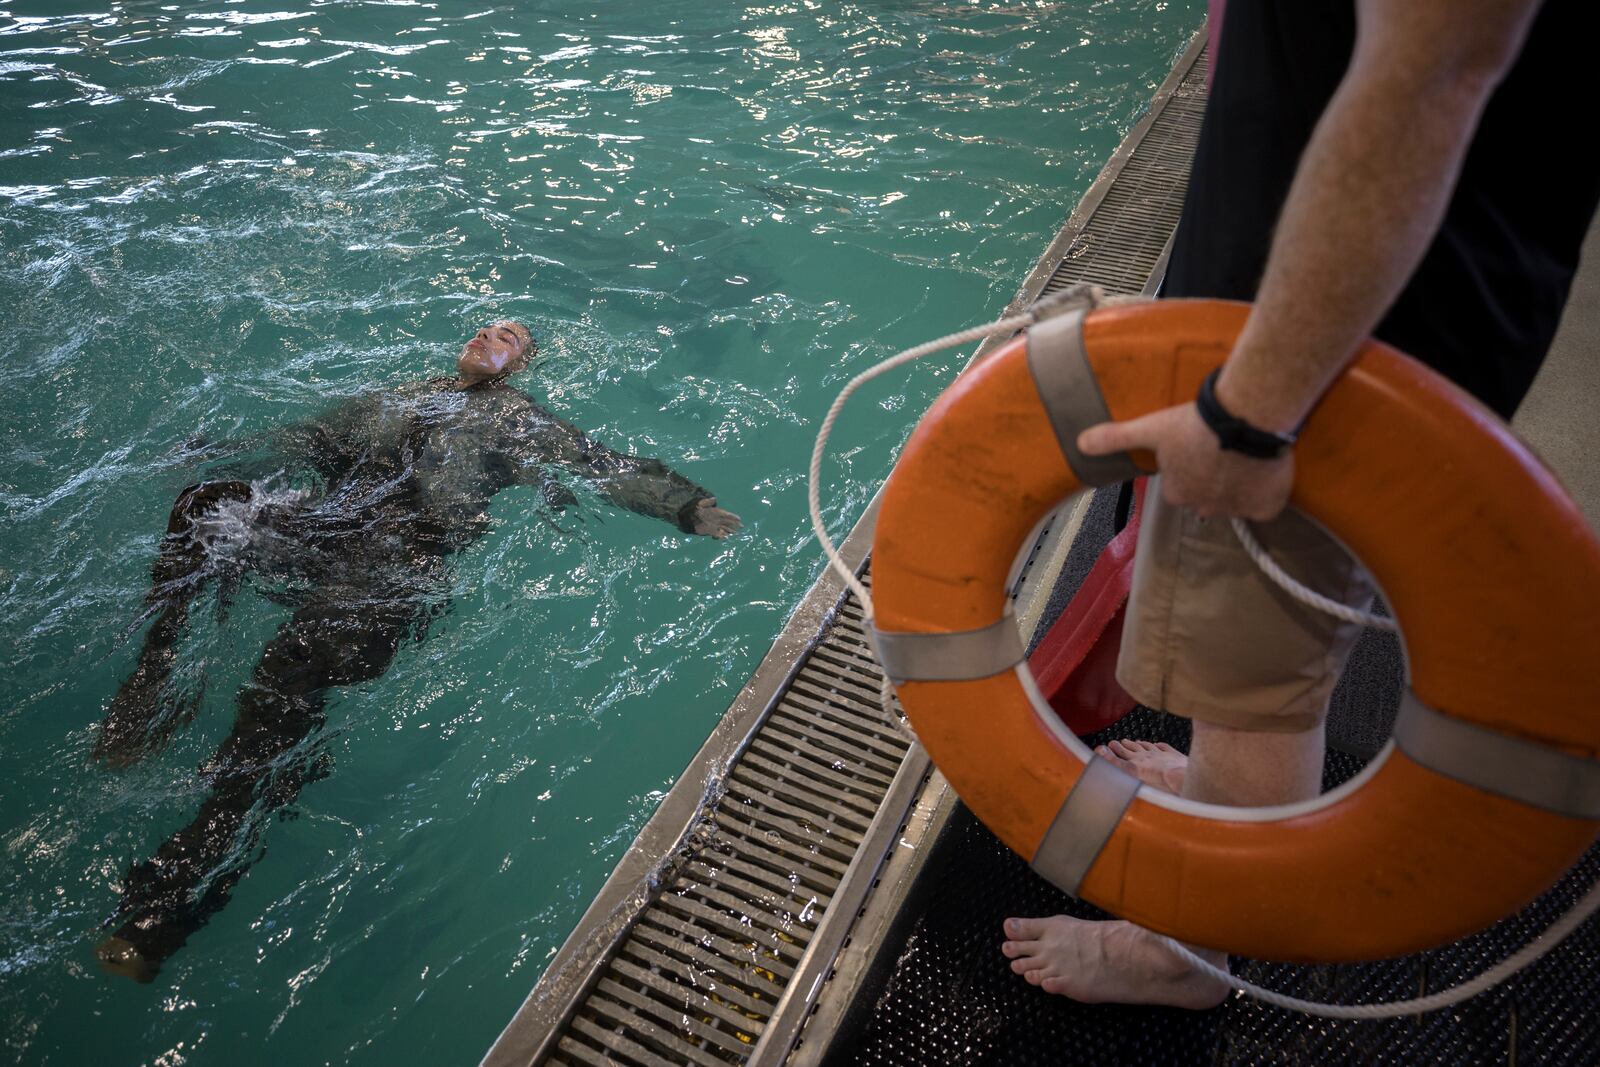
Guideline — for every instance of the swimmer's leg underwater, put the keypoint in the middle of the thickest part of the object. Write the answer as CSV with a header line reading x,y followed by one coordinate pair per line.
x,y
139,719
339,637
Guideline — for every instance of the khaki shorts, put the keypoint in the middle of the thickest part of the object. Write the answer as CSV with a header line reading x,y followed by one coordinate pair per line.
x,y
1209,637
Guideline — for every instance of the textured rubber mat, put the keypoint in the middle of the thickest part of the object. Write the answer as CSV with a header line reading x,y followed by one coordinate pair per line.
x,y
947,996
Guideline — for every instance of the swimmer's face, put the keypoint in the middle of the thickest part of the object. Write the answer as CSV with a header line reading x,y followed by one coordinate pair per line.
x,y
499,348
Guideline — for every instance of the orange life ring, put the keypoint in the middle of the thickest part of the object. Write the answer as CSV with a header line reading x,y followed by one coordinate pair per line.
x,y
1493,788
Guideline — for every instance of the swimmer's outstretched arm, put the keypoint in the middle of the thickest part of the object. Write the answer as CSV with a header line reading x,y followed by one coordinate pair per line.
x,y
647,486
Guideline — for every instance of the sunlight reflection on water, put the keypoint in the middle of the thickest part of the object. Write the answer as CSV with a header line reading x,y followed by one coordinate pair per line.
x,y
223,217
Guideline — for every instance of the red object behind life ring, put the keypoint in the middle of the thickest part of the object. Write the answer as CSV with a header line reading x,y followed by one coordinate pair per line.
x,y
1075,665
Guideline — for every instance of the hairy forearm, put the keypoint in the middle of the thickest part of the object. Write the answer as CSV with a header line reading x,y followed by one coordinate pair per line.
x,y
1372,187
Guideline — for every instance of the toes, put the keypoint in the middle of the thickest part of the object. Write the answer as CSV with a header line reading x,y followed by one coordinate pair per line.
x,y
1118,762
1121,749
1017,950
1033,977
1055,985
1162,746
1025,929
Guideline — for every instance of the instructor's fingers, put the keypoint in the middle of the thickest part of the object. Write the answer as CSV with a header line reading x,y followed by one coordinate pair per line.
x,y
1118,436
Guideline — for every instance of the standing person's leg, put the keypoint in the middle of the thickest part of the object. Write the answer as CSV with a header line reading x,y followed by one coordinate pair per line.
x,y
1209,637
1118,962
341,638
134,724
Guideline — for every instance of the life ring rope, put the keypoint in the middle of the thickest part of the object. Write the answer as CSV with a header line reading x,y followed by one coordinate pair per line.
x,y
940,344
1105,796
1303,593
1552,936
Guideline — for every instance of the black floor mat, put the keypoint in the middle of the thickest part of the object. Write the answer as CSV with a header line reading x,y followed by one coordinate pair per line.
x,y
944,994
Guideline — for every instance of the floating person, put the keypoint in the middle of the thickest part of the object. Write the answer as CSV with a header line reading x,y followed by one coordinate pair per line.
x,y
402,480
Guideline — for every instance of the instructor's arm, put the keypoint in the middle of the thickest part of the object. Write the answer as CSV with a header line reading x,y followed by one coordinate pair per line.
x,y
1369,195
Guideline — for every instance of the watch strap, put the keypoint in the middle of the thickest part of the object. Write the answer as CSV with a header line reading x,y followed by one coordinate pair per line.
x,y
1233,433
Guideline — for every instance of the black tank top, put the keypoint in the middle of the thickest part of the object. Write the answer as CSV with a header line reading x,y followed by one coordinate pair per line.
x,y
1485,301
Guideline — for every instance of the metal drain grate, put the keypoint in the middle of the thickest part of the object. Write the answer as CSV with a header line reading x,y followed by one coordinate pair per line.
x,y
1140,209
702,969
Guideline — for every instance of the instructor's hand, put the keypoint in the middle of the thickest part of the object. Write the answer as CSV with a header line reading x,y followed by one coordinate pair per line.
x,y
712,521
1195,471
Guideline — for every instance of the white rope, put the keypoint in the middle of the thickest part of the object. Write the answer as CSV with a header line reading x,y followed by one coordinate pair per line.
x,y
976,333
1078,294
1553,936
1305,595
1524,956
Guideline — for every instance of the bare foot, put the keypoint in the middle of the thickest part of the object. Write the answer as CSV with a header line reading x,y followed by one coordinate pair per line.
x,y
1108,962
1155,763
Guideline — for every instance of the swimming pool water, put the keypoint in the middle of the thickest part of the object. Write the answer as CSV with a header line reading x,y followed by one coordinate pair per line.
x,y
219,217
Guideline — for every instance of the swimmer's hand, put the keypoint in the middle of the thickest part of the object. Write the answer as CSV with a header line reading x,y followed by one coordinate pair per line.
x,y
712,521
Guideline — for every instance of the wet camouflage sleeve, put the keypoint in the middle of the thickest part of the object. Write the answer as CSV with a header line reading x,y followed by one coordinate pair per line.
x,y
647,486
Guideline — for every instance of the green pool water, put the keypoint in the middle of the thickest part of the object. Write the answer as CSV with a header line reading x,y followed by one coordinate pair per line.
x,y
219,217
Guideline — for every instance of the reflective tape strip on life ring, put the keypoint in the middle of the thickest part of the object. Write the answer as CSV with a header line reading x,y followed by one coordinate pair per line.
x,y
1491,789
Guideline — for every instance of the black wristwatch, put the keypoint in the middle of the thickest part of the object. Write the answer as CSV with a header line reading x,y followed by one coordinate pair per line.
x,y
1235,434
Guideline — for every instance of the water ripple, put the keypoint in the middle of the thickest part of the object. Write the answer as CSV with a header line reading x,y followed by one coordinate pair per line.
x,y
221,216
